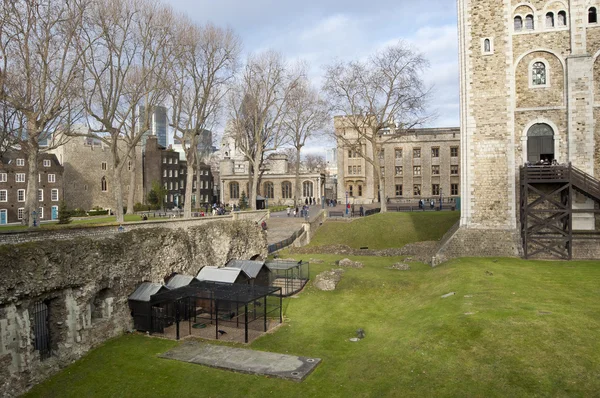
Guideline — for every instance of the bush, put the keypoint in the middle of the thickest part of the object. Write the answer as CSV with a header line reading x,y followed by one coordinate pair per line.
x,y
78,213
97,213
64,215
243,201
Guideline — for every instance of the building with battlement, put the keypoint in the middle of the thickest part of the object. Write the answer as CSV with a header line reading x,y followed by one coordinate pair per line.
x,y
530,93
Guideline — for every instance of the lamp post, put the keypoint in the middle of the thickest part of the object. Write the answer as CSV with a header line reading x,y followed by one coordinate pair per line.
x,y
441,198
347,205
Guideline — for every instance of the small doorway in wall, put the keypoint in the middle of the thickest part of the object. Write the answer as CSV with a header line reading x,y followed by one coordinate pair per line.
x,y
540,143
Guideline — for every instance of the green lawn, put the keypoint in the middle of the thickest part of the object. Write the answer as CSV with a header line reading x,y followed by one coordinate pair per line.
x,y
533,331
381,231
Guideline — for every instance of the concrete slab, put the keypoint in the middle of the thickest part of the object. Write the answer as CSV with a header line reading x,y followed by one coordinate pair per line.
x,y
243,360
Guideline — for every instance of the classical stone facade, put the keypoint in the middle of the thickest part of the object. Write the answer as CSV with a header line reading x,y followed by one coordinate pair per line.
x,y
530,76
417,164
89,177
13,186
60,298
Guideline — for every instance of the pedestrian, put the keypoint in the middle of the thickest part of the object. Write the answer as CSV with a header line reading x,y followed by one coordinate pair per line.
x,y
352,213
432,204
295,212
306,201
361,211
288,211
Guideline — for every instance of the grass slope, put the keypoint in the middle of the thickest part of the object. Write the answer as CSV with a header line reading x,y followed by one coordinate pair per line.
x,y
382,231
533,331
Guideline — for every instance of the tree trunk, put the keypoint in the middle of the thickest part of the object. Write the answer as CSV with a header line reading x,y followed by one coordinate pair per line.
x,y
377,176
198,180
297,183
31,194
382,195
132,182
255,177
117,184
189,183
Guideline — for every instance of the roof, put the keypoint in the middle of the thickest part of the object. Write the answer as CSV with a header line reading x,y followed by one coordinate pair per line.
x,y
284,264
232,292
179,281
251,268
145,290
225,274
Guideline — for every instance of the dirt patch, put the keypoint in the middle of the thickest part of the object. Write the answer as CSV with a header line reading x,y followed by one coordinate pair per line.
x,y
328,280
346,262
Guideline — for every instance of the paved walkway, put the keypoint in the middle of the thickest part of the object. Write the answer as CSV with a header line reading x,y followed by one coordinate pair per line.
x,y
243,360
281,227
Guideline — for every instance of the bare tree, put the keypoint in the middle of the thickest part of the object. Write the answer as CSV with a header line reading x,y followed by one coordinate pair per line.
x,y
314,162
125,53
205,62
376,100
307,114
39,70
293,163
11,127
258,106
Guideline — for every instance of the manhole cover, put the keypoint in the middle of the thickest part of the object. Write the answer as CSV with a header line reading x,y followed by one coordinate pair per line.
x,y
295,373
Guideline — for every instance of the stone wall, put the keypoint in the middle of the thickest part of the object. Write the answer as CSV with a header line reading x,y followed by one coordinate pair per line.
x,y
85,282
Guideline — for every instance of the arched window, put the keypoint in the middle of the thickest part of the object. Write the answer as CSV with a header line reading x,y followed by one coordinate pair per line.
x,y
529,22
103,184
518,23
540,143
307,189
286,190
351,190
234,190
538,74
550,20
487,46
592,15
562,18
269,190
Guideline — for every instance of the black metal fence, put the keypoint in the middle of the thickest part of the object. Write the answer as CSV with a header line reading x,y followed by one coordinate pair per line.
x,y
286,242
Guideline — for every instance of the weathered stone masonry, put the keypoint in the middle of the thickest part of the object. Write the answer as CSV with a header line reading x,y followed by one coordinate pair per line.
x,y
85,282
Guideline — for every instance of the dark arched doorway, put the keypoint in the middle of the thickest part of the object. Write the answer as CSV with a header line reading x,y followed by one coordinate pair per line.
x,y
540,143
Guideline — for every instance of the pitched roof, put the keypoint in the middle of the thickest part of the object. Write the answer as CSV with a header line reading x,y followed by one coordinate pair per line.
x,y
225,274
252,268
179,281
145,290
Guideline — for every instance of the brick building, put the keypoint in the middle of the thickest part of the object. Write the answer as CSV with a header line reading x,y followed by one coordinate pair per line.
x,y
530,79
419,164
13,185
164,165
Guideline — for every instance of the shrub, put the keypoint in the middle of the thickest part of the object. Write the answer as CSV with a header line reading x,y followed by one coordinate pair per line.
x,y
64,215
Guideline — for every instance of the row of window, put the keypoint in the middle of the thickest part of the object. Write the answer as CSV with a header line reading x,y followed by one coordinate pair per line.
x,y
435,170
40,212
359,190
435,189
20,177
45,162
175,186
21,195
416,152
170,160
551,21
269,190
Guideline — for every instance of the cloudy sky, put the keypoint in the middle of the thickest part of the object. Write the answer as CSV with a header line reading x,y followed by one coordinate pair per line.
x,y
321,31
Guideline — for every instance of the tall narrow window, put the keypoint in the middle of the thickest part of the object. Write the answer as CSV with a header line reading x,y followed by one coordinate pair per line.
x,y
562,18
234,190
307,189
286,190
103,184
529,22
351,190
538,74
360,190
518,23
592,15
550,20
487,46
269,190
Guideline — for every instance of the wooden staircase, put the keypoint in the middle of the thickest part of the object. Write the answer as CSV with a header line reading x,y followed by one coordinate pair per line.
x,y
546,207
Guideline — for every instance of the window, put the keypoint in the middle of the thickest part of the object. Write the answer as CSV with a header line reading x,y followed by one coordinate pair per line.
x,y
176,185
40,195
20,212
382,154
20,162
398,170
175,174
103,166
562,18
170,185
307,189
416,170
164,160
39,177
454,169
269,190
350,169
487,46
164,173
529,22
399,190
234,190
592,16
417,153
46,163
21,195
453,189
182,184
435,189
3,177
518,23
52,178
354,170
167,187
360,190
20,177
358,169
176,160
41,213
286,190
454,151
170,198
538,74
351,190
435,152
54,195
549,20
103,185
170,173
398,153
129,165
170,160
417,190
435,170
3,195
382,171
